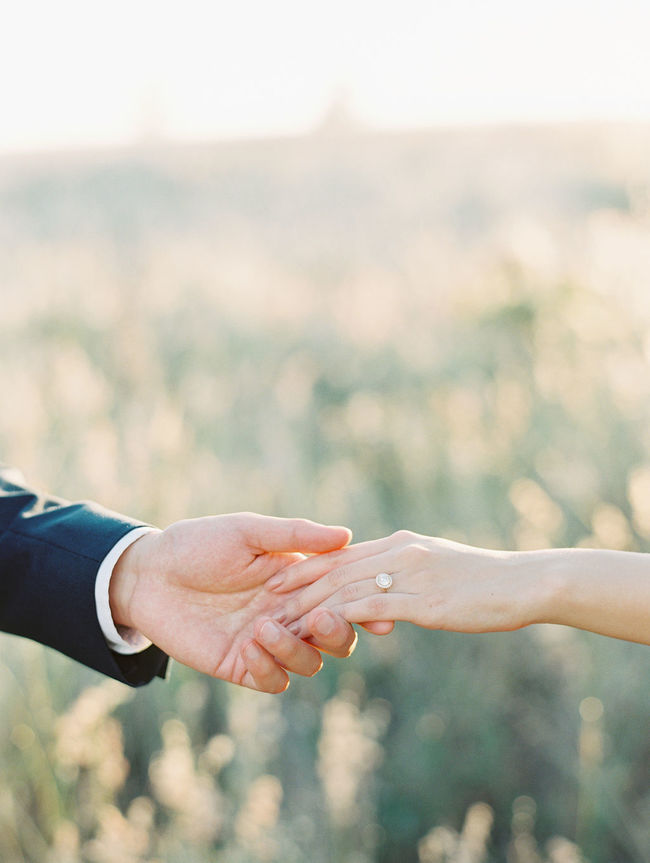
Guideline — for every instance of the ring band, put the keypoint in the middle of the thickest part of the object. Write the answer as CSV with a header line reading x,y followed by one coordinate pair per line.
x,y
384,581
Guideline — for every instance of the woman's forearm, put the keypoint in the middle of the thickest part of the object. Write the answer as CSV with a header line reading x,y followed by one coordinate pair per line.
x,y
607,592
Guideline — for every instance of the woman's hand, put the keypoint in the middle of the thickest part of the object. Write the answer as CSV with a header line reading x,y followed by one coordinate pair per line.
x,y
437,584
441,584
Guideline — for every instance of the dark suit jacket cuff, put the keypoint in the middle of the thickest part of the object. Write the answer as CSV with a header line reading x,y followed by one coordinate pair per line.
x,y
50,551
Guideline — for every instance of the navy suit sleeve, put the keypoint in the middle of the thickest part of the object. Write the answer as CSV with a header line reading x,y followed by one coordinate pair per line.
x,y
50,552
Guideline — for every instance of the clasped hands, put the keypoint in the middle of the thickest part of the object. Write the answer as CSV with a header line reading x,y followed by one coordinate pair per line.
x,y
248,598
199,590
237,597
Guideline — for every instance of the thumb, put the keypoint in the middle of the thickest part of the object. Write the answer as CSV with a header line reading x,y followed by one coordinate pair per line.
x,y
266,533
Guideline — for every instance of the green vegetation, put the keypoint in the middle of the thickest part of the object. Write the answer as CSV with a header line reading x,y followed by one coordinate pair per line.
x,y
447,332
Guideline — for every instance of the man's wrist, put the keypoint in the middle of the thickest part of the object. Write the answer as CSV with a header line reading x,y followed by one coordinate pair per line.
x,y
126,572
120,639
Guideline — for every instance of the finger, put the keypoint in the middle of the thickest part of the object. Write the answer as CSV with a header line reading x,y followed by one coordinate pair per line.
x,y
263,673
383,606
379,627
266,533
348,593
343,578
306,571
329,633
292,653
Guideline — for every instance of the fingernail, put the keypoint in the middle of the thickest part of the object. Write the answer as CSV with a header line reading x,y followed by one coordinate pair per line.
x,y
270,632
325,623
274,582
252,652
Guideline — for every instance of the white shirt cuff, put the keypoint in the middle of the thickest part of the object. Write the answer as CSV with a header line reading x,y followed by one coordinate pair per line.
x,y
120,639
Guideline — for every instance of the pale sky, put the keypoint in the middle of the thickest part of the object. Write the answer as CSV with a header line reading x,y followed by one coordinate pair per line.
x,y
80,72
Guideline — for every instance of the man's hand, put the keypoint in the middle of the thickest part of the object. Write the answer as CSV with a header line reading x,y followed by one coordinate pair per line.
x,y
198,591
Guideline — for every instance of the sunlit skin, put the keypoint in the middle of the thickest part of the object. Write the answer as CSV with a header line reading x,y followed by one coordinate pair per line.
x,y
439,584
198,591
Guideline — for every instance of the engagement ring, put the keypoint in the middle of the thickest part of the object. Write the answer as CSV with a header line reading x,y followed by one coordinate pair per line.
x,y
384,581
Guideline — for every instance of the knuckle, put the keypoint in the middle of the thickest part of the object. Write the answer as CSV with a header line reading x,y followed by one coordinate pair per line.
x,y
290,652
377,606
415,554
237,522
299,527
349,592
291,610
237,519
403,535
337,577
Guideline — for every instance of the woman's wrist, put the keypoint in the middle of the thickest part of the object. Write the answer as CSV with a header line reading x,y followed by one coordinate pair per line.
x,y
545,573
538,585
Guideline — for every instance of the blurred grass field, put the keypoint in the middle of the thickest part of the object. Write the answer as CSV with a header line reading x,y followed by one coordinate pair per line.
x,y
445,331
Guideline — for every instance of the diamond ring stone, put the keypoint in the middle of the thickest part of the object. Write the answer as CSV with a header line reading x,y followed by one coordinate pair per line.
x,y
384,581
